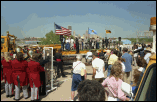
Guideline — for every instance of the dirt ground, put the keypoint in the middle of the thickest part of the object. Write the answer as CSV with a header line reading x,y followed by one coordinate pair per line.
x,y
62,93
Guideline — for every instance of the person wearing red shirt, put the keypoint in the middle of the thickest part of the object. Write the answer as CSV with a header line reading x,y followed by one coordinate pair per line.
x,y
34,68
20,78
7,73
74,45
1,72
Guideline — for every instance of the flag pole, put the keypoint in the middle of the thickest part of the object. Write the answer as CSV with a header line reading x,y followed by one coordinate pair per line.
x,y
88,32
105,32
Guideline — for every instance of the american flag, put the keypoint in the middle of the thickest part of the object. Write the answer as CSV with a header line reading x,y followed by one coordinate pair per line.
x,y
62,31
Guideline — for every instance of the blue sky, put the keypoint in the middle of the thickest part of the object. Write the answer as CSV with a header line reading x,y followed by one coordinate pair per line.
x,y
36,18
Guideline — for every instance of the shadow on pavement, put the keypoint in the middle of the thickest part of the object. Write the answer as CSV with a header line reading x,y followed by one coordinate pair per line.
x,y
67,73
67,67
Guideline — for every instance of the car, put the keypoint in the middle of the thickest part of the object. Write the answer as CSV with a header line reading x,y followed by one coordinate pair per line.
x,y
147,87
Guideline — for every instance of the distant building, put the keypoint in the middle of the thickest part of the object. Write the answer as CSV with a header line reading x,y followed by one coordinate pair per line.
x,y
70,28
79,35
74,33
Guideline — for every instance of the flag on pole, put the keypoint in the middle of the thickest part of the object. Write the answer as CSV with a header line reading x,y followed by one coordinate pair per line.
x,y
62,31
66,31
91,31
108,31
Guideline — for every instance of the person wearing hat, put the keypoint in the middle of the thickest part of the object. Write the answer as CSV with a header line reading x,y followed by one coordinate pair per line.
x,y
78,69
127,63
147,52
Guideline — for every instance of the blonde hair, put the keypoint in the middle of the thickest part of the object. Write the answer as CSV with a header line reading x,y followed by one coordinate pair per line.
x,y
7,56
116,70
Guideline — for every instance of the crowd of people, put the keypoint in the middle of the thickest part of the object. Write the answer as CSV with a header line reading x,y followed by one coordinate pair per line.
x,y
28,72
80,43
119,68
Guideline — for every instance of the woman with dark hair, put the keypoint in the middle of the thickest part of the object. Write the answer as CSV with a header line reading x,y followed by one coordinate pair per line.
x,y
7,73
20,78
34,69
90,90
141,63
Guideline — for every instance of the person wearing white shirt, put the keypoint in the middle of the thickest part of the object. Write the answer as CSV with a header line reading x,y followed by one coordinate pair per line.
x,y
147,54
72,43
98,68
89,56
78,66
135,55
67,46
140,46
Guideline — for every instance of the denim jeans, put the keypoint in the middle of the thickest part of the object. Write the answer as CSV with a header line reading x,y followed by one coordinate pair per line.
x,y
106,65
109,70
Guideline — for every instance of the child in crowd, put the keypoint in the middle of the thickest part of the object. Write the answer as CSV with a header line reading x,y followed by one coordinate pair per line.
x,y
136,77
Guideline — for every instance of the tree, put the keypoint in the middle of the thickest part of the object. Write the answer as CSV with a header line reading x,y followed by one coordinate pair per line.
x,y
51,38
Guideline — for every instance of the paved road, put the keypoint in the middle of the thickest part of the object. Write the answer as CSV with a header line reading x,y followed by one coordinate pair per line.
x,y
62,93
